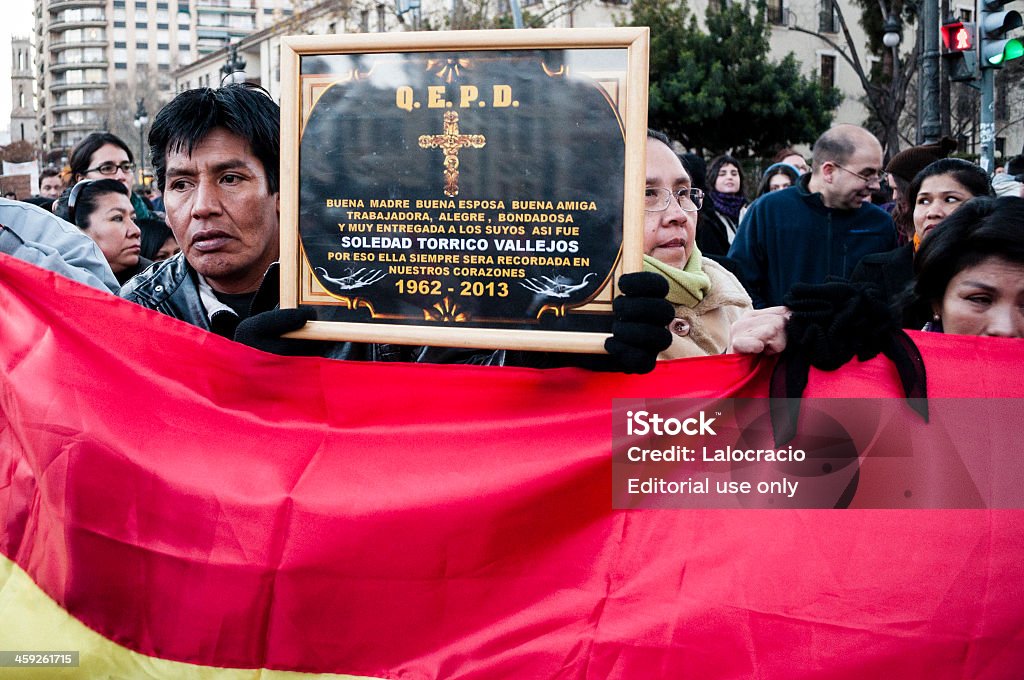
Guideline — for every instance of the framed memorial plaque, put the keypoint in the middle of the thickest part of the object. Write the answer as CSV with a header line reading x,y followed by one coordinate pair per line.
x,y
463,189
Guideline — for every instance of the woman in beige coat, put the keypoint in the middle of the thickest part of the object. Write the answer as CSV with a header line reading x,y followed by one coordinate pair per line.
x,y
706,296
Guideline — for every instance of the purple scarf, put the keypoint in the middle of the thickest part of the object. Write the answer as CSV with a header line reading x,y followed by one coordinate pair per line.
x,y
728,204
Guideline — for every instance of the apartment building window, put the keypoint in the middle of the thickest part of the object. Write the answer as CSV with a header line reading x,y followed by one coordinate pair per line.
x,y
120,44
120,24
828,21
242,21
118,3
121,66
141,24
828,71
778,14
142,45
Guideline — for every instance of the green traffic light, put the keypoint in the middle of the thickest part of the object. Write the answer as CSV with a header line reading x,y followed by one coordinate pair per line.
x,y
1014,49
1011,49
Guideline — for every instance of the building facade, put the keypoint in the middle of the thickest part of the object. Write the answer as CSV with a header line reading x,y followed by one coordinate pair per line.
x,y
23,110
95,58
810,29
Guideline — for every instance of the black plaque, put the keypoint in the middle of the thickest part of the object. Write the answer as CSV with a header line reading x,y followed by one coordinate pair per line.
x,y
468,189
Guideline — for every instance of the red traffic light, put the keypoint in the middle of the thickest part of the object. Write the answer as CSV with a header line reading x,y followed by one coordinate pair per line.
x,y
958,36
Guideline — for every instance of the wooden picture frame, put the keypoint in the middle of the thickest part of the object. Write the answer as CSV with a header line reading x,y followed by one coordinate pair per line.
x,y
400,226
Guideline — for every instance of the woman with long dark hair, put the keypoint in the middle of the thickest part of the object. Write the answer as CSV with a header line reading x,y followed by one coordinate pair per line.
x,y
724,209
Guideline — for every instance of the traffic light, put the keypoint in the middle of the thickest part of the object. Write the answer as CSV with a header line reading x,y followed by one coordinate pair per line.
x,y
996,47
959,53
958,36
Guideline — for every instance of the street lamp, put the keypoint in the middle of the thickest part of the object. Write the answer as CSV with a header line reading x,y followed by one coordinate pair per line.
x,y
141,118
892,32
234,68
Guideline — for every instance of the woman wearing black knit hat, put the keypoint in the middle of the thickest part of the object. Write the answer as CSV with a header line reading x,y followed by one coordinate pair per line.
x,y
901,171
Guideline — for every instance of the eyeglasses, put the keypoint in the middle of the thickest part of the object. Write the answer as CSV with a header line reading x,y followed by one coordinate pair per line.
x,y
111,168
657,199
867,176
73,197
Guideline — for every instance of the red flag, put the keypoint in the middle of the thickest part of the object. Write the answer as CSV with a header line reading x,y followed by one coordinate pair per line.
x,y
197,501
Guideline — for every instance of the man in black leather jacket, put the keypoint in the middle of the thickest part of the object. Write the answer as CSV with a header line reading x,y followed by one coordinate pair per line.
x,y
216,157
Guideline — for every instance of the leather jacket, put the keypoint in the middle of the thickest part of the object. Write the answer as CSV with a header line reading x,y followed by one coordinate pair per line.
x,y
170,287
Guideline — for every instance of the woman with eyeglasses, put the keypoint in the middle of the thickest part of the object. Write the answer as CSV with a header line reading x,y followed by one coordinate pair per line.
x,y
706,296
102,155
102,210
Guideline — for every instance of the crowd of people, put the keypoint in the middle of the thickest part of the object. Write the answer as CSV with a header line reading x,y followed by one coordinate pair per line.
x,y
925,232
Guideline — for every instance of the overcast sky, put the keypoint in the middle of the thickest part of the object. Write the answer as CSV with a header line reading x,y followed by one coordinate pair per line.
x,y
17,20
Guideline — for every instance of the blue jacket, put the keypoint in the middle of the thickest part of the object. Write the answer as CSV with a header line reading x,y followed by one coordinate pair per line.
x,y
789,236
40,237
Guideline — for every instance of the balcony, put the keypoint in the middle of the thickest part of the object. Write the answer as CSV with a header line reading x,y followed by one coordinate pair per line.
x,y
61,108
58,5
66,66
77,127
65,44
223,6
58,26
63,86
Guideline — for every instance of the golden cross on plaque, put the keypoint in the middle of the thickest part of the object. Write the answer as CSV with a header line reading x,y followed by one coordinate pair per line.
x,y
451,142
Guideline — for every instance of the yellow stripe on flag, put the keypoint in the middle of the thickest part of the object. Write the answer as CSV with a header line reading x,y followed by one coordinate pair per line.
x,y
33,622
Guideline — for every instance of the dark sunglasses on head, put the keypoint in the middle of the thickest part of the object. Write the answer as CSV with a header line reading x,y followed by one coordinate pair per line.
x,y
73,197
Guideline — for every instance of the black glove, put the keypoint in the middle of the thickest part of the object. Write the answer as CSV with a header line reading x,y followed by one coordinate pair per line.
x,y
639,330
264,330
642,316
831,324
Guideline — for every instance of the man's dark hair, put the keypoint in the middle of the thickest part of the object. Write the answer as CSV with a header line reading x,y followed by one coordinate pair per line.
x,y
981,228
660,136
86,199
243,110
48,172
696,168
155,233
1015,166
83,151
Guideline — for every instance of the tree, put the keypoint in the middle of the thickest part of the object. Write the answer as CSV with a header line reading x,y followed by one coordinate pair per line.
x,y
887,82
18,152
155,88
718,91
